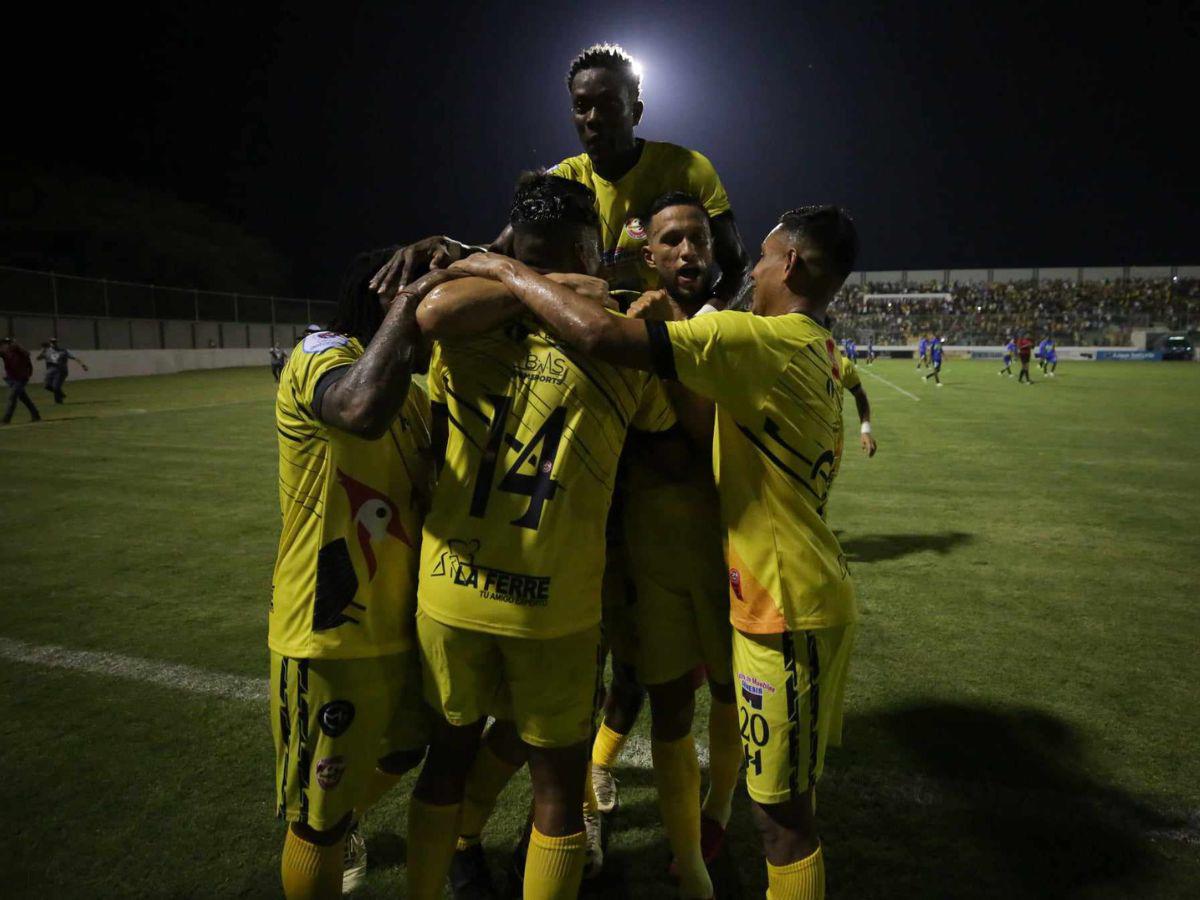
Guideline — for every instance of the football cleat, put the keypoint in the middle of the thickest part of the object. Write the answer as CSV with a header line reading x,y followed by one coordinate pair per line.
x,y
605,785
593,826
354,860
470,878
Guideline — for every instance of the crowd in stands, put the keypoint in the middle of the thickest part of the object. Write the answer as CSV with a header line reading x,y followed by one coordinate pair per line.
x,y
1086,313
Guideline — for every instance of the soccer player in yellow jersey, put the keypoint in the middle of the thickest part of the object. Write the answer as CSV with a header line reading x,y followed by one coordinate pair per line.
x,y
354,481
513,551
773,376
625,172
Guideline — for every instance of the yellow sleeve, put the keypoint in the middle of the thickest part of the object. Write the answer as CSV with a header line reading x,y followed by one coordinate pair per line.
x,y
850,377
703,182
654,412
571,168
314,356
728,357
436,379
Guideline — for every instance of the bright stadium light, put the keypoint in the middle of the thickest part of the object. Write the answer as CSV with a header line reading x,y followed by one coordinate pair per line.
x,y
638,70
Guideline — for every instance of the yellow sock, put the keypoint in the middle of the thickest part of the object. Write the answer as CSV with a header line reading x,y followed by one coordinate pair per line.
x,y
801,880
607,746
677,776
554,866
724,761
379,784
487,778
310,871
431,833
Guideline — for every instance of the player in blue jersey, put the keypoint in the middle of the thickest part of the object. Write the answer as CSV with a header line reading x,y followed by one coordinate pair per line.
x,y
1009,350
1049,357
935,360
1040,354
870,351
851,349
922,351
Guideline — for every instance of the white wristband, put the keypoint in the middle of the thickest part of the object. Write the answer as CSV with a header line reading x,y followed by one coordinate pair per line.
x,y
866,428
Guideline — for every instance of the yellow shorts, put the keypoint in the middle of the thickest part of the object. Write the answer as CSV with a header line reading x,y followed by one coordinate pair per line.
x,y
547,687
676,565
332,720
790,688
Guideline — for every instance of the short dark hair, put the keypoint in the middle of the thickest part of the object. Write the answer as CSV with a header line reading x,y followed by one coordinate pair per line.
x,y
830,228
607,56
672,198
359,312
546,201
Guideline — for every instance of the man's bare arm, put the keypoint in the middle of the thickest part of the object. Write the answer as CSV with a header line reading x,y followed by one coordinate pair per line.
x,y
577,321
427,254
866,439
730,254
465,307
366,399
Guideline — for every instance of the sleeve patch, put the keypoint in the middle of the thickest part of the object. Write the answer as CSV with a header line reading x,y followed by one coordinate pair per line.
x,y
323,340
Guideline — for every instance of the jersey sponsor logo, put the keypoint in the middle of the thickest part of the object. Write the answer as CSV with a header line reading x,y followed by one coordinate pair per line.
x,y
635,229
458,564
754,689
335,717
323,340
330,771
375,515
735,582
551,369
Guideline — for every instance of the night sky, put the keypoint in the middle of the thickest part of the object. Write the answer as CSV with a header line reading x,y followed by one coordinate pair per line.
x,y
958,134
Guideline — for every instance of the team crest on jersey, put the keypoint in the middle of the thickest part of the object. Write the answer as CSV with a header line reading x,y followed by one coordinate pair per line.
x,y
335,717
330,771
735,582
323,340
635,229
375,515
754,689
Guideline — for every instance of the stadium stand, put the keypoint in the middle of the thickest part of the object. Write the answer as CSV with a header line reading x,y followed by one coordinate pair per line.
x,y
1103,312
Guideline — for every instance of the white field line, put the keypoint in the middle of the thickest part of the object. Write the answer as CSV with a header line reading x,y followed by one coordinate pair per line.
x,y
913,790
867,371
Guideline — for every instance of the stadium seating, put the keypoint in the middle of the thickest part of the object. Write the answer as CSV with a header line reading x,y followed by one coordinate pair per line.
x,y
1083,313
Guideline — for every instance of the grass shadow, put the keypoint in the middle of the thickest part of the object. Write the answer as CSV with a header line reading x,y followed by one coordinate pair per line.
x,y
881,547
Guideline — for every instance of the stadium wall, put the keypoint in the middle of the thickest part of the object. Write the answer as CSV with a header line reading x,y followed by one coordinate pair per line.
x,y
123,363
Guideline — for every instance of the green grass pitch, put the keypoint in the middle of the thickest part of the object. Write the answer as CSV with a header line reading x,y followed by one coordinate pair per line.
x,y
1022,716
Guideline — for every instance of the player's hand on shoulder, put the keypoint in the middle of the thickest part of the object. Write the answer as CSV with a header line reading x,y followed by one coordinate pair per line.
x,y
436,252
656,305
485,265
586,285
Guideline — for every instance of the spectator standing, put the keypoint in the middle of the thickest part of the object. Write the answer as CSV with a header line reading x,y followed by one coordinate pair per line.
x,y
57,359
278,358
18,369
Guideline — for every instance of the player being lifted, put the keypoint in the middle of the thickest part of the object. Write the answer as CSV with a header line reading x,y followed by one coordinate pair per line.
x,y
354,481
513,548
935,360
773,376
625,172
1010,348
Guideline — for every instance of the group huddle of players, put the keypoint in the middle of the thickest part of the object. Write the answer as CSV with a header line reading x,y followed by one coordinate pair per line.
x,y
625,451
1045,352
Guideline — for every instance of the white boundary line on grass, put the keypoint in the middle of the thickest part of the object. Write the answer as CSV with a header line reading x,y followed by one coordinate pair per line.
x,y
866,371
916,790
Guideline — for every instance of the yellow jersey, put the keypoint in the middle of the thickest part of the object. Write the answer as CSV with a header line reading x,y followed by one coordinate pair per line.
x,y
775,382
514,542
345,578
850,380
622,204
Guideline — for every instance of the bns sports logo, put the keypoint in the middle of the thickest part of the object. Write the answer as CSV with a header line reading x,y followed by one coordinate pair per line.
x,y
552,369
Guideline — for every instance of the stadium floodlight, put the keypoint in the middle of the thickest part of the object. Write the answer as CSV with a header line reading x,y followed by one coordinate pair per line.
x,y
638,70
